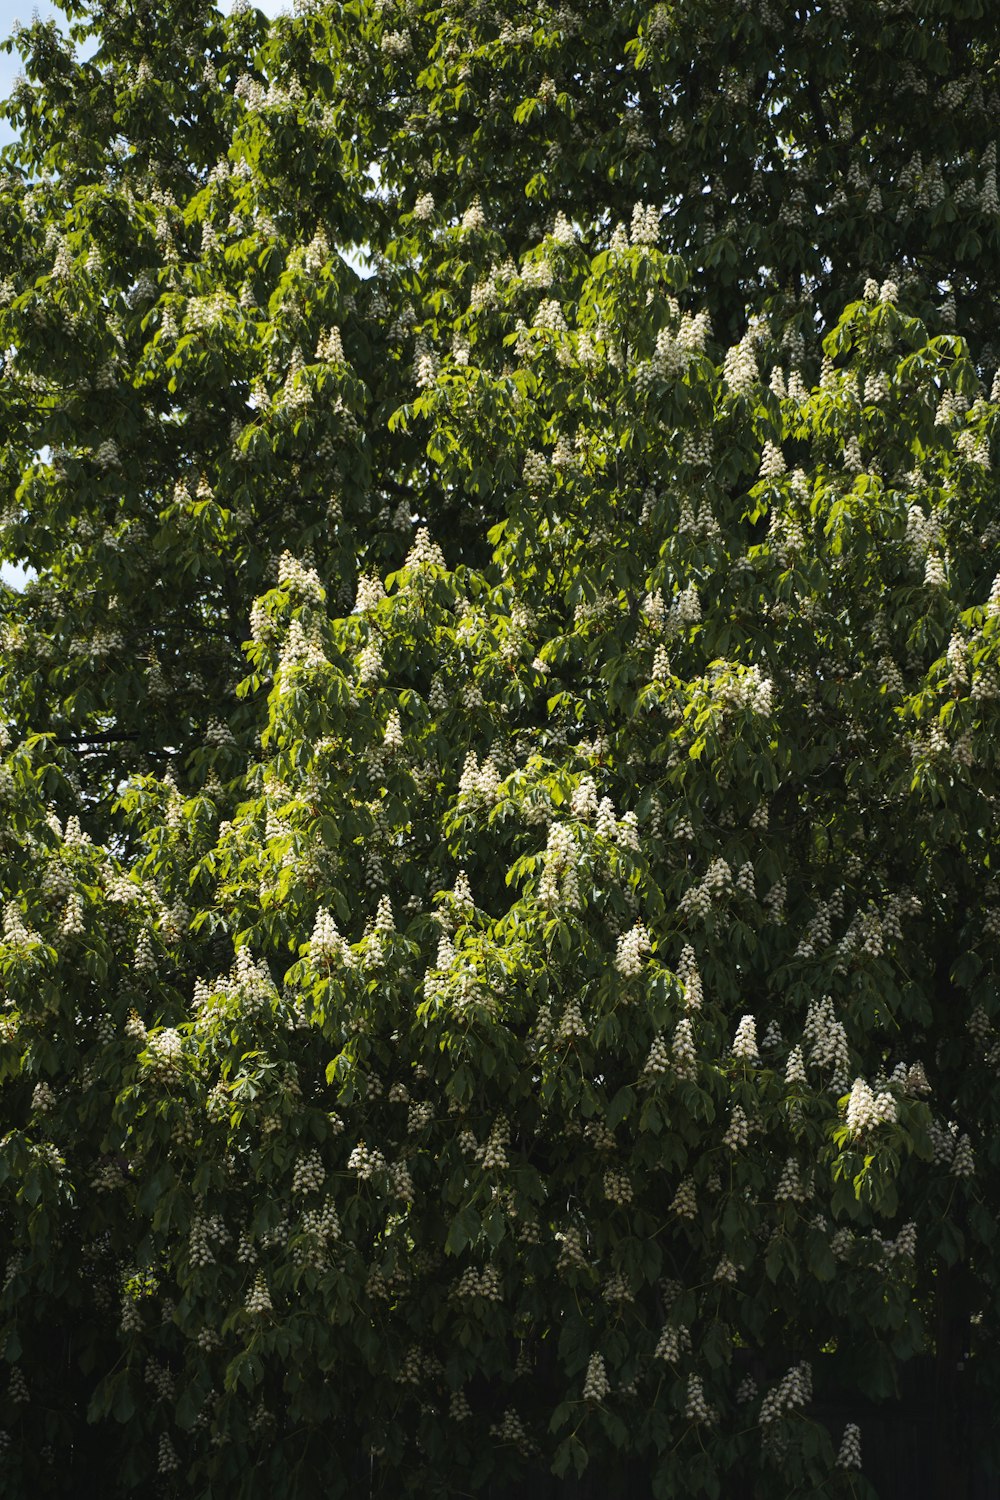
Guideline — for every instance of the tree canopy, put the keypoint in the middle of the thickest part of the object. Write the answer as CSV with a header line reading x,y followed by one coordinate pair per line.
x,y
500,767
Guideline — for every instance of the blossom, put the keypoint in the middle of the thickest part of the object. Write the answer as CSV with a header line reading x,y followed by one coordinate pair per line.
x,y
259,1298
738,1130
633,950
772,464
696,1408
849,1453
867,1109
745,1044
596,1385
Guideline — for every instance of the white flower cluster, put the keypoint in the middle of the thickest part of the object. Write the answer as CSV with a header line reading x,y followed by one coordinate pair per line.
x,y
370,665
165,1052
202,1232
424,553
330,347
479,782
550,316
401,1182
633,951
71,923
167,1460
738,1130
791,1188
302,582
685,1054
828,1041
583,803
671,1343
917,1081
42,1098
473,1283
425,364
739,369
699,899
510,1429
742,687
392,740
745,1043
459,1409
571,1023
772,464
795,1068
419,1116
690,977
366,1162
794,1389
935,575
559,885
963,1163
135,1030
849,1452
684,1202
571,1254
14,930
309,1174
904,1246
725,1272
596,1385
493,1155
326,944
617,1186
867,1109
258,1299
819,933
696,1408
645,228
161,1378
658,1061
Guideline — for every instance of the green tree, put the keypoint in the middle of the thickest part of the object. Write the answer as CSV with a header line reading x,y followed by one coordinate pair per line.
x,y
500,927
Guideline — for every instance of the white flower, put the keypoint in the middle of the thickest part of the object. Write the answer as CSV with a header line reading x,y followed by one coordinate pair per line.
x,y
326,943
849,1454
696,1408
633,950
866,1109
795,1389
738,1130
370,664
658,1061
685,1203
739,369
685,1055
596,1386
645,228
259,1298
772,464
963,1162
795,1068
166,1050
745,1044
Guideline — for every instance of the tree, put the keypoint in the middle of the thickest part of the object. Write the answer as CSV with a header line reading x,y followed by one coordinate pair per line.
x,y
500,933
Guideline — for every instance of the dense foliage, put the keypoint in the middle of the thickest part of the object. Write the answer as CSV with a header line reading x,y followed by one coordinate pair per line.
x,y
500,921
